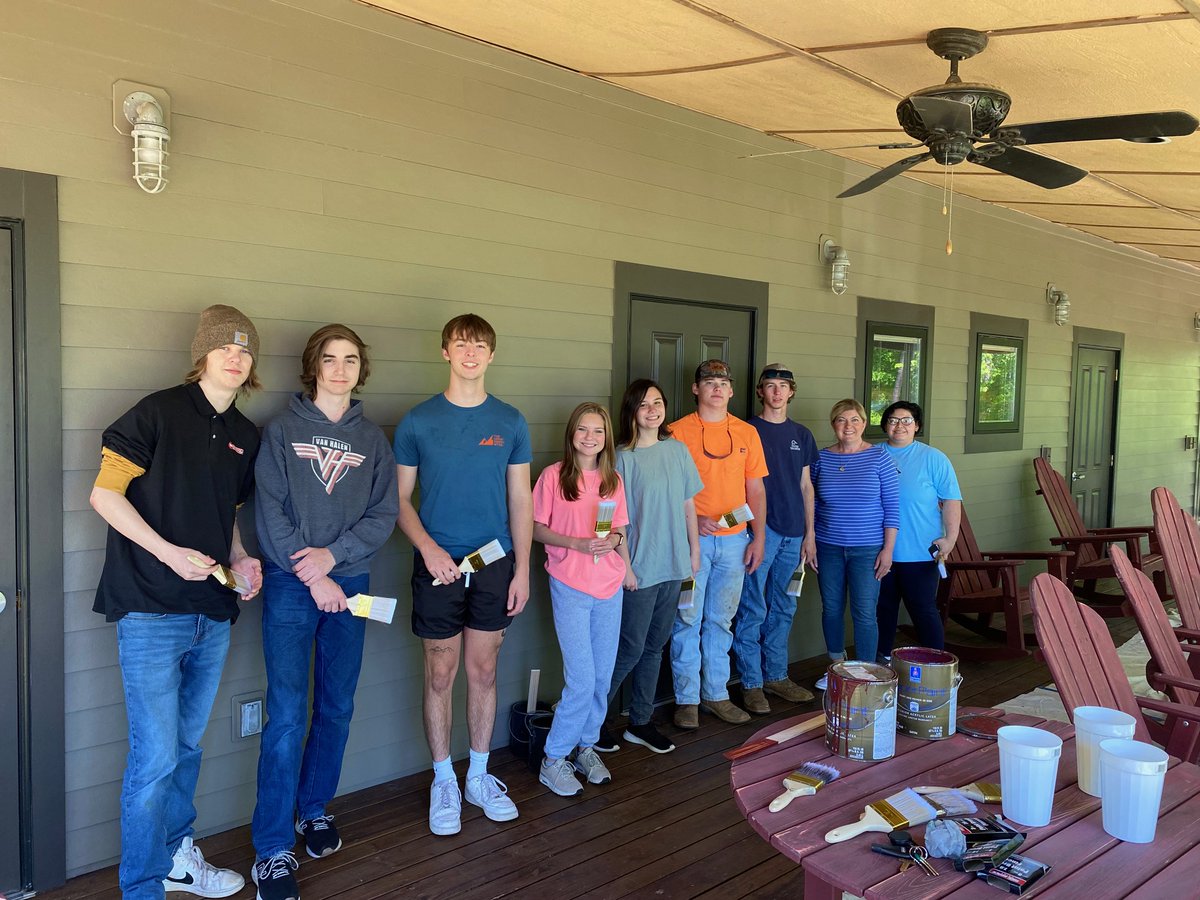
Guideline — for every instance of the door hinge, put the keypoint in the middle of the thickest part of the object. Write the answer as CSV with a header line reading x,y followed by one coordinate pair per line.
x,y
1112,459
18,599
1116,375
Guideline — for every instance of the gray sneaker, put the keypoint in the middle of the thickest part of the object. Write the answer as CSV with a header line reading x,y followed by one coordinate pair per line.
x,y
588,764
560,777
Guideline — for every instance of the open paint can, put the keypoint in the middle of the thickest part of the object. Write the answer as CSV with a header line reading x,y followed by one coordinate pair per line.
x,y
860,710
928,681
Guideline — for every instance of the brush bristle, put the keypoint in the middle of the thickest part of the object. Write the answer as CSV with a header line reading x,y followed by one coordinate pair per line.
x,y
905,808
952,803
820,771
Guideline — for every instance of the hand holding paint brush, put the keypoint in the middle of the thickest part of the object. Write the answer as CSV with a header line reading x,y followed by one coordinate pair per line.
x,y
473,562
604,520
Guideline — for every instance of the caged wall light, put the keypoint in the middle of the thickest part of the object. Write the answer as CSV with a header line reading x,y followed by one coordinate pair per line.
x,y
144,113
1061,303
839,264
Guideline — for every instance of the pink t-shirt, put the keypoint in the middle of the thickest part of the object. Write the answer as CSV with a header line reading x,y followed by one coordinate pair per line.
x,y
578,519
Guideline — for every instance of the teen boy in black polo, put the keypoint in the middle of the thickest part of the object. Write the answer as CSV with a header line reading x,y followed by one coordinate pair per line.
x,y
173,471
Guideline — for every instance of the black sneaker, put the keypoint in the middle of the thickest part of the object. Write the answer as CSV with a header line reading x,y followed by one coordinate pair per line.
x,y
649,737
274,877
320,837
606,743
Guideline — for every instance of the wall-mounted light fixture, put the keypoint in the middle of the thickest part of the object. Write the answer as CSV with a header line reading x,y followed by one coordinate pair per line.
x,y
839,264
1061,303
144,113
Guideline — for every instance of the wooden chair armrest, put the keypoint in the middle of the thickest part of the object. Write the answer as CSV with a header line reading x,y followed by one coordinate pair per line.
x,y
1189,648
1030,554
983,565
1165,706
1141,529
1187,634
1188,684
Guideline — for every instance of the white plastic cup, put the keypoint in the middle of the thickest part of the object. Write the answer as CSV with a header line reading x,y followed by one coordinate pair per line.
x,y
1131,784
1094,724
1028,769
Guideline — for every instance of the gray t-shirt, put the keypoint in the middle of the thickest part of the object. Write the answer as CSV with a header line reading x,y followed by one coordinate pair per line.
x,y
658,480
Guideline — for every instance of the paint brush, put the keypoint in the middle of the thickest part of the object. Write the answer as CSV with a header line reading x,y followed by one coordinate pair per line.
x,y
900,810
473,562
980,791
772,740
378,609
604,517
805,781
796,583
225,575
738,516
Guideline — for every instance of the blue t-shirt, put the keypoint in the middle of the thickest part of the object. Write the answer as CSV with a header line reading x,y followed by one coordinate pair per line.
x,y
659,479
926,478
788,447
857,497
462,455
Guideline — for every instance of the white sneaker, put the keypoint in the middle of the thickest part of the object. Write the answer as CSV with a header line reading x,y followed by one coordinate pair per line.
x,y
560,777
445,807
190,873
588,764
490,794
822,682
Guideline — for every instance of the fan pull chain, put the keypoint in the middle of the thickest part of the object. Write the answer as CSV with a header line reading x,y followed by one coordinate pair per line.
x,y
950,219
945,182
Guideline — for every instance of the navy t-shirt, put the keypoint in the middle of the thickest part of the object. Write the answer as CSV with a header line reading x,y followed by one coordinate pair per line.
x,y
788,447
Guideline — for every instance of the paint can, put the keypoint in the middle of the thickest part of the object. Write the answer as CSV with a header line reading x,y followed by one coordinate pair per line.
x,y
928,682
860,710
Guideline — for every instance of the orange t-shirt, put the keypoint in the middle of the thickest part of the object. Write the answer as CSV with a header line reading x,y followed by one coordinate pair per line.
x,y
725,478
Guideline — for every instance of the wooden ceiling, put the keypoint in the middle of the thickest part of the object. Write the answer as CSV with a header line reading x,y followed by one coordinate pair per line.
x,y
828,73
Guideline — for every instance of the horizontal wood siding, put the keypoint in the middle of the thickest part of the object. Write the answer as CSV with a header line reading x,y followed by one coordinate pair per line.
x,y
331,162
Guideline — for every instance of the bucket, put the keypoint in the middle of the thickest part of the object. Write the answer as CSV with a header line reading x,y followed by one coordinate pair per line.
x,y
927,692
521,727
860,710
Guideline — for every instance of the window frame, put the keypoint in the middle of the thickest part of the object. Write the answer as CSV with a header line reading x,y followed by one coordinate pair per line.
x,y
984,437
907,320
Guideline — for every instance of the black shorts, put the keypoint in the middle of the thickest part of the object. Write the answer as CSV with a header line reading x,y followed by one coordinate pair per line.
x,y
444,610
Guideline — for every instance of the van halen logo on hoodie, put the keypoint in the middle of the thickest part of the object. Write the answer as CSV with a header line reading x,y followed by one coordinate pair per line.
x,y
331,459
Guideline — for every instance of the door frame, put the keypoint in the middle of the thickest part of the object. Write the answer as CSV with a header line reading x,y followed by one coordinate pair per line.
x,y
33,200
630,279
1097,339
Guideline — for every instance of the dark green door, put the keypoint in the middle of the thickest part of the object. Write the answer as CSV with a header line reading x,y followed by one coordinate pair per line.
x,y
1092,417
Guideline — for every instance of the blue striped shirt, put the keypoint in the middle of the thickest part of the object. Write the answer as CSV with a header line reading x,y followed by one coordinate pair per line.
x,y
857,496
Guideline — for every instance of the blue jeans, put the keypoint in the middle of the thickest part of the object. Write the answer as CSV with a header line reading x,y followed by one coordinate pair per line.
x,y
646,618
702,635
588,629
171,668
764,615
298,777
854,568
916,583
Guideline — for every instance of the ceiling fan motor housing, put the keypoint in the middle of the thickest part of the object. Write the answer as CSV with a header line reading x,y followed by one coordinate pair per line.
x,y
989,107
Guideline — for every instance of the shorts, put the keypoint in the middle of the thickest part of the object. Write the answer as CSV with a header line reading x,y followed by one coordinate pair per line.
x,y
444,610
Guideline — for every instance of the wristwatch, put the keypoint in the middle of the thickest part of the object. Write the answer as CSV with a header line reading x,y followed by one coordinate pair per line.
x,y
620,539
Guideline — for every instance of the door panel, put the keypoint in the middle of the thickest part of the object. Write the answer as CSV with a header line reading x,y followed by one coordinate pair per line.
x,y
1094,402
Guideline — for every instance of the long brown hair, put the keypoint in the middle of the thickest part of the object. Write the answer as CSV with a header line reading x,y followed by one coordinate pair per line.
x,y
570,475
634,395
310,360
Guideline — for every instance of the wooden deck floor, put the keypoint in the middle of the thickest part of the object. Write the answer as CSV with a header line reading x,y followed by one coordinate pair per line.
x,y
666,826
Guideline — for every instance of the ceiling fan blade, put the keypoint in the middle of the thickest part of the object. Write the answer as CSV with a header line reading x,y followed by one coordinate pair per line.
x,y
831,149
951,116
1032,167
896,168
1172,123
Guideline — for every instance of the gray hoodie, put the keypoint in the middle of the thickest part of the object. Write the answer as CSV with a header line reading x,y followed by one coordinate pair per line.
x,y
324,484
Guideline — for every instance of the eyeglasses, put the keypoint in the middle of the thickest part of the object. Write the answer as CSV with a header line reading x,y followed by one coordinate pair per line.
x,y
900,420
704,448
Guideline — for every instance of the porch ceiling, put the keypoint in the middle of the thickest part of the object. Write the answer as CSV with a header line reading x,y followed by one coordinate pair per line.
x,y
780,67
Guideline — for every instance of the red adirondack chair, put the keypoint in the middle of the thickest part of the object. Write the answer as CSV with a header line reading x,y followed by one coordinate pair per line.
x,y
1089,544
1083,660
982,584
1179,538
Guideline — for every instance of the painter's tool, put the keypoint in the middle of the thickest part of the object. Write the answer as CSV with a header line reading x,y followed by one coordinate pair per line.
x,y
604,517
739,516
980,791
535,676
377,609
897,811
473,562
687,594
936,552
772,740
796,582
805,781
224,575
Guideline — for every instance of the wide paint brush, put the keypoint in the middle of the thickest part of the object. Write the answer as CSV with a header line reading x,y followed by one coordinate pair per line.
x,y
980,791
604,517
805,781
378,609
231,579
902,810
473,562
739,516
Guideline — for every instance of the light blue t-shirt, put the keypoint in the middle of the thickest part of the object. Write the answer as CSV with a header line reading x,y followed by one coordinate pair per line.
x,y
659,479
926,478
462,455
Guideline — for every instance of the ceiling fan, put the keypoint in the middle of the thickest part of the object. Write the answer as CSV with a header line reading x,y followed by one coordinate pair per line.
x,y
963,122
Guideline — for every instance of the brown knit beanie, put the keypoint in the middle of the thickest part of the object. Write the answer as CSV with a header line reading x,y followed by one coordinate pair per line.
x,y
221,325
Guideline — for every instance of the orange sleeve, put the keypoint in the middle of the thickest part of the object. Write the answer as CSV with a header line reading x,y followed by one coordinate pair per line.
x,y
116,471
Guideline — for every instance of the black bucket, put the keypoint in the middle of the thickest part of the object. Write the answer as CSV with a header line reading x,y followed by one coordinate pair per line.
x,y
522,727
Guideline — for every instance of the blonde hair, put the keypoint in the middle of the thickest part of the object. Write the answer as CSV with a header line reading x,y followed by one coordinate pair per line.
x,y
844,406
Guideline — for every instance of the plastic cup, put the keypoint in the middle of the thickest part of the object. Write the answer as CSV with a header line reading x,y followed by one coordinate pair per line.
x,y
1094,724
1131,783
1028,769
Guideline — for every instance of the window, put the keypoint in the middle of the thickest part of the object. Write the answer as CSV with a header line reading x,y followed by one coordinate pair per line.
x,y
895,358
995,406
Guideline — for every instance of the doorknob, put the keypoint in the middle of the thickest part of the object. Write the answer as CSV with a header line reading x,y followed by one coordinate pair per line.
x,y
1075,476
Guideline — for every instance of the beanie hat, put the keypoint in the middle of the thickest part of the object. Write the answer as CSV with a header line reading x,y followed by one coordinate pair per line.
x,y
221,325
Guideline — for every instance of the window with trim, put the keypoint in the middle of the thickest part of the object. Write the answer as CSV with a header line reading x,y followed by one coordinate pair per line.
x,y
996,402
895,354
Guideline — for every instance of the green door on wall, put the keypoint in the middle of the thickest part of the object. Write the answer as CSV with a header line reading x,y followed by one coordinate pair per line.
x,y
1092,417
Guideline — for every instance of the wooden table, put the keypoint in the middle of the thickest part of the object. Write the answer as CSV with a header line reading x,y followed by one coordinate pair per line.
x,y
1086,862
